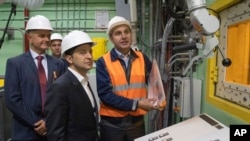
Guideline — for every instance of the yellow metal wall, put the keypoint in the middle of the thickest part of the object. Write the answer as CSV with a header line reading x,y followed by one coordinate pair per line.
x,y
219,5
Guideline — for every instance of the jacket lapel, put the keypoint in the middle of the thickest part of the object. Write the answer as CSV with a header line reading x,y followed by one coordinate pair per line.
x,y
78,87
30,60
51,69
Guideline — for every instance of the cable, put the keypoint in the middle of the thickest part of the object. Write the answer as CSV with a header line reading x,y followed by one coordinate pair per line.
x,y
226,62
13,11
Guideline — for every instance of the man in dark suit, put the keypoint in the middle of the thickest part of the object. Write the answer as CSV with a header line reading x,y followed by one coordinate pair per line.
x,y
71,110
24,92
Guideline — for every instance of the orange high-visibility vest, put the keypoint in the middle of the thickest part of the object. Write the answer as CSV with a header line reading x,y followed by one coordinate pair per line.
x,y
136,89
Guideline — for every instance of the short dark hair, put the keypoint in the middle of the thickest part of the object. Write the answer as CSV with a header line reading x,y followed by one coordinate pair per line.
x,y
70,51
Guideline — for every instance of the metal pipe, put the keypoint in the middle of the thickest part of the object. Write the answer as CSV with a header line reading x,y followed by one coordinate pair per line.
x,y
85,14
26,18
175,60
151,38
184,47
191,87
88,2
177,54
21,31
79,22
133,11
142,36
167,31
62,19
175,41
74,15
56,12
50,19
196,58
8,11
68,15
176,36
133,20
156,23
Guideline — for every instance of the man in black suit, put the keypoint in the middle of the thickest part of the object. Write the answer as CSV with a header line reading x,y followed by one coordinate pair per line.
x,y
71,110
24,92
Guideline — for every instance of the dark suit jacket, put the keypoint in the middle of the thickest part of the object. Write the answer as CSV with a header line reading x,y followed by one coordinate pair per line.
x,y
22,93
68,111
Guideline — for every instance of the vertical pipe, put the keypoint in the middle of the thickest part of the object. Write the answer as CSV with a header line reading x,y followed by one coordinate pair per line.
x,y
74,18
155,37
142,27
56,14
167,31
85,15
133,15
151,29
79,15
26,41
133,11
68,16
191,88
62,17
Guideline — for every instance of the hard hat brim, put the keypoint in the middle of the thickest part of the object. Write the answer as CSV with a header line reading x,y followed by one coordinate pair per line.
x,y
127,23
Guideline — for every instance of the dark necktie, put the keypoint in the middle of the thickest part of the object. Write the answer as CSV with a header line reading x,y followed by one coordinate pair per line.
x,y
42,79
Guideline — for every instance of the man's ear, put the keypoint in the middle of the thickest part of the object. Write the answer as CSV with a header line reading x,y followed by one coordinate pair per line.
x,y
111,39
69,58
28,35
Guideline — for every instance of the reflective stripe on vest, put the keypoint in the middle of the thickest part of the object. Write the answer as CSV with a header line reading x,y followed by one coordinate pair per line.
x,y
130,86
136,89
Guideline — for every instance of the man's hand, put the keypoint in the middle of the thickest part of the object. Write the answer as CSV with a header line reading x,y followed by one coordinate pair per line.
x,y
162,105
40,127
147,104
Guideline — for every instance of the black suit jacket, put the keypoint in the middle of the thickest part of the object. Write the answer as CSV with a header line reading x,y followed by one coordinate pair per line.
x,y
22,93
69,114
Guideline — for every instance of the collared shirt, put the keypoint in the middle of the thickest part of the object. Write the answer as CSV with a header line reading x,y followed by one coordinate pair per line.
x,y
124,57
84,82
44,61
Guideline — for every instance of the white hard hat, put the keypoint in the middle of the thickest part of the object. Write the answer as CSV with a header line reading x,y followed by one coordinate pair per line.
x,y
56,36
116,21
38,22
75,38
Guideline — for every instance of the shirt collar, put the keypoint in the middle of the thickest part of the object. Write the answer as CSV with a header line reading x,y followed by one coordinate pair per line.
x,y
34,54
80,78
120,54
115,54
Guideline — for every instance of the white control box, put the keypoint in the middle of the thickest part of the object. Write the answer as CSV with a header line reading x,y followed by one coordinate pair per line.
x,y
189,96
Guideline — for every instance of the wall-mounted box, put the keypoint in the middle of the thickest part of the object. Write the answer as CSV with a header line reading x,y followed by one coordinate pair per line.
x,y
189,96
100,48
